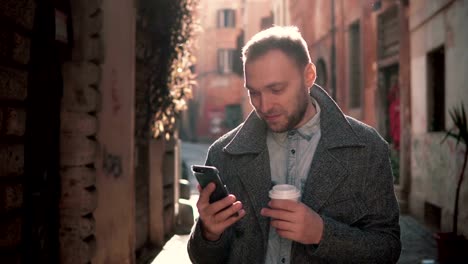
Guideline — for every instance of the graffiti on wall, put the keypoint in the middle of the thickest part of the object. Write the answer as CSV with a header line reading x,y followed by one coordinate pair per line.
x,y
111,163
435,167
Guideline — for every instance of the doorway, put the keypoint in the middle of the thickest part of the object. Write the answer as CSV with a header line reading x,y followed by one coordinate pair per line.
x,y
387,93
388,114
41,147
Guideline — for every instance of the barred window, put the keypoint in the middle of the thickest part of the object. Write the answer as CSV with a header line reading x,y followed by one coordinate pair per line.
x,y
225,60
226,18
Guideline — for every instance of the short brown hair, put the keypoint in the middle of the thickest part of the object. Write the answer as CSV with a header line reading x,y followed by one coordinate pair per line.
x,y
286,39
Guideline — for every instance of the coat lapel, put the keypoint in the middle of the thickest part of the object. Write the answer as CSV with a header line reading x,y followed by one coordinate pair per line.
x,y
327,171
325,174
254,166
256,179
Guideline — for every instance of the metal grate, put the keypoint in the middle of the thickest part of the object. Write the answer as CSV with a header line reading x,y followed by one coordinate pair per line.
x,y
388,33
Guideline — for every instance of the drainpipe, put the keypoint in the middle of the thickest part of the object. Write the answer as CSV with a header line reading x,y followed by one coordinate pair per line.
x,y
333,51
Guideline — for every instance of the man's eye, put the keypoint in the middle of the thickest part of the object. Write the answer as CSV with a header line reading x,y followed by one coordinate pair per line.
x,y
253,93
277,91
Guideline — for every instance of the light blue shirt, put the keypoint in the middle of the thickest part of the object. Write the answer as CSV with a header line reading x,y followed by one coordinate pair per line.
x,y
291,155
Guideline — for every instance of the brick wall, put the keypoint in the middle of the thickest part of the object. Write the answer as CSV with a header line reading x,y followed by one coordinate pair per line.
x,y
78,146
15,39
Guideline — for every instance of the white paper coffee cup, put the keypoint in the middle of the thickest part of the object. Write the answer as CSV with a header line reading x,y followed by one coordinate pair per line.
x,y
285,192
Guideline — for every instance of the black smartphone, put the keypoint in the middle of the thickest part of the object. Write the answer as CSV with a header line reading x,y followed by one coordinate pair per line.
x,y
207,174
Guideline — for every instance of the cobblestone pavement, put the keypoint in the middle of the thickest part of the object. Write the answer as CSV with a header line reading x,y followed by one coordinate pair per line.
x,y
418,243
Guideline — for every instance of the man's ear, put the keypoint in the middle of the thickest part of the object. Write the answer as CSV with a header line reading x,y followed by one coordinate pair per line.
x,y
310,73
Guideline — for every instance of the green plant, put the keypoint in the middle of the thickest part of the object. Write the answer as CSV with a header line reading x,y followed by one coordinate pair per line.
x,y
173,26
459,131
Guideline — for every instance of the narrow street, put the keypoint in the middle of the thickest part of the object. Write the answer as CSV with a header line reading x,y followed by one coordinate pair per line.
x,y
418,243
96,96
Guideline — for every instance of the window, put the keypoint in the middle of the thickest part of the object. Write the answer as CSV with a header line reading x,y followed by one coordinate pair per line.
x,y
355,92
226,18
388,35
225,60
432,215
436,90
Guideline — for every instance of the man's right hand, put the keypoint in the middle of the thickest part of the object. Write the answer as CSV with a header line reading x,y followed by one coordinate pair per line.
x,y
218,216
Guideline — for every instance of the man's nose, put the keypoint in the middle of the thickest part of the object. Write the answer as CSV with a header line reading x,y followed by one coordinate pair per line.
x,y
265,104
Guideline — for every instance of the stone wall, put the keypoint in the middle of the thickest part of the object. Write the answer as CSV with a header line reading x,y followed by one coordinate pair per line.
x,y
16,25
79,126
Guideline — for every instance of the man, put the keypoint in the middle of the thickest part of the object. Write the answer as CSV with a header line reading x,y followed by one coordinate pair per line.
x,y
348,212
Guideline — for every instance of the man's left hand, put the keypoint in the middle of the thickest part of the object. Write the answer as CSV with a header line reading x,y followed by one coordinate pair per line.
x,y
295,221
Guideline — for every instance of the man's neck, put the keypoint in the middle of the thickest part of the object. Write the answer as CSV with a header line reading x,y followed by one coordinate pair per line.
x,y
311,111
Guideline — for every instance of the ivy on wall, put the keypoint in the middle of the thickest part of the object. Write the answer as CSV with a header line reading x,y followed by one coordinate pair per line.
x,y
173,26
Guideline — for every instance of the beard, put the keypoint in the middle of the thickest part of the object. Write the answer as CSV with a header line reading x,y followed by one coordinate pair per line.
x,y
292,119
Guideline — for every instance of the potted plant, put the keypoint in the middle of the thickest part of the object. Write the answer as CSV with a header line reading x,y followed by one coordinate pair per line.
x,y
453,248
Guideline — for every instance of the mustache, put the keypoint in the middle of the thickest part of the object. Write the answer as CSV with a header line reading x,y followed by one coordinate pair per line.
x,y
270,113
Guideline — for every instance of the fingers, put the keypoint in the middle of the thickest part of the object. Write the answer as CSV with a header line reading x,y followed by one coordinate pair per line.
x,y
218,206
225,214
232,219
287,234
217,216
283,225
285,229
302,225
286,205
205,194
278,214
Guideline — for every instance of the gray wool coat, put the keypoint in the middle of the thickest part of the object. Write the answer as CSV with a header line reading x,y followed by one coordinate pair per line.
x,y
350,185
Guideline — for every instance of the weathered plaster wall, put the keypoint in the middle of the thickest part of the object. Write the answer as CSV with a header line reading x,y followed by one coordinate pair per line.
x,y
115,214
215,90
435,166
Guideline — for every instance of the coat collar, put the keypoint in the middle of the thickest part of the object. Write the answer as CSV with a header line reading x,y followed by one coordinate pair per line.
x,y
336,131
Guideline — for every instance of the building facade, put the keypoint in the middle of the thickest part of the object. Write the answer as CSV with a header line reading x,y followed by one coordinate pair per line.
x,y
72,187
439,82
281,14
361,52
220,98
397,66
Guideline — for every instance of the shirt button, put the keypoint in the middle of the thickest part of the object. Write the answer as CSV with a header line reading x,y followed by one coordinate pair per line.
x,y
293,151
292,133
283,260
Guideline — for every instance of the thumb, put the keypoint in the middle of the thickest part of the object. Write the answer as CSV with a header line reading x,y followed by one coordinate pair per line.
x,y
206,192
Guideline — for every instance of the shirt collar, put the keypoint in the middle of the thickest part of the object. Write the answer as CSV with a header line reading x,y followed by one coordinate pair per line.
x,y
312,126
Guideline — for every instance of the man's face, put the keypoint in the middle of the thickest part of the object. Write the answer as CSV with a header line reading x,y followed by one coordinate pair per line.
x,y
277,90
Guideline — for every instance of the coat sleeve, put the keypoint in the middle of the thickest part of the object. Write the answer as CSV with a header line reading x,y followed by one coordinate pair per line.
x,y
376,237
204,251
